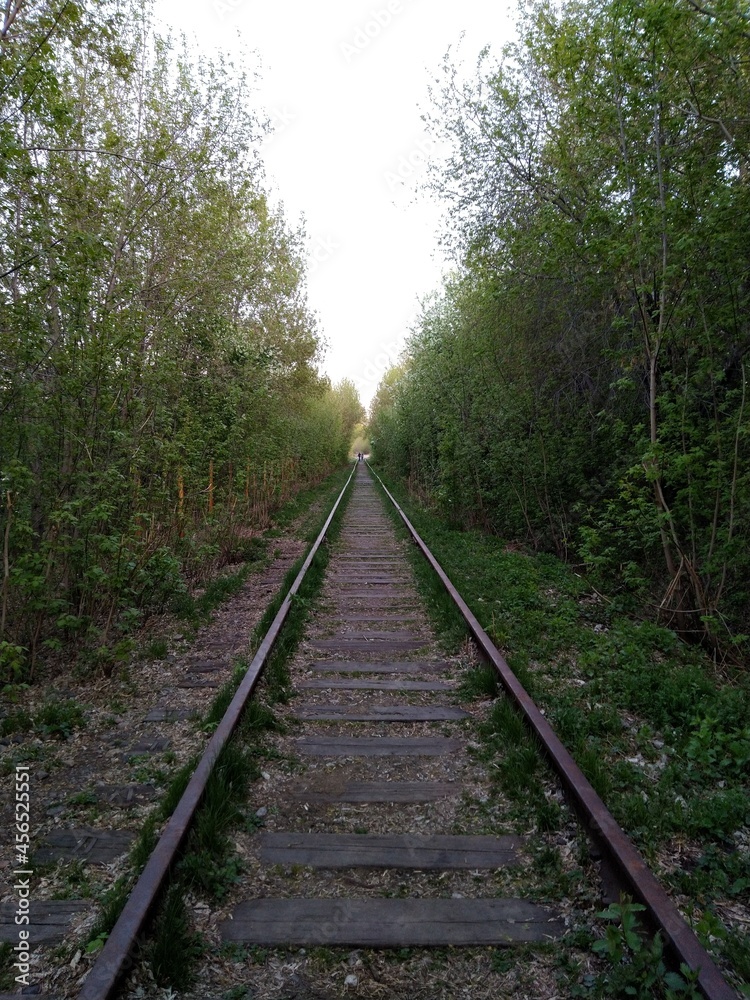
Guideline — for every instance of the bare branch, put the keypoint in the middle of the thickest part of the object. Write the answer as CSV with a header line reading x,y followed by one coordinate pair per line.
x,y
9,16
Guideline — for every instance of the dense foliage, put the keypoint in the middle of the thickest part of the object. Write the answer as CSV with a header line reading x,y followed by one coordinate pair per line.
x,y
580,381
159,388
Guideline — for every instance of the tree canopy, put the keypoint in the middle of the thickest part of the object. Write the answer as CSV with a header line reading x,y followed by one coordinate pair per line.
x,y
160,383
580,381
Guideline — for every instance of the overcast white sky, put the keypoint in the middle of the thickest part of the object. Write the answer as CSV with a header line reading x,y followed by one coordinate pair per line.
x,y
345,83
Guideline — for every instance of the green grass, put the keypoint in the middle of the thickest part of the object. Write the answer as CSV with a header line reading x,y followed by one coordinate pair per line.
x,y
663,738
480,682
196,610
174,947
54,719
303,506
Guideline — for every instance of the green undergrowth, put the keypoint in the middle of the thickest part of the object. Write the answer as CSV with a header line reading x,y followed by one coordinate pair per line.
x,y
480,681
196,609
54,719
516,762
275,681
307,505
662,735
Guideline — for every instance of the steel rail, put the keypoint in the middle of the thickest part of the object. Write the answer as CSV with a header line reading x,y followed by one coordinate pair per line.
x,y
117,954
627,860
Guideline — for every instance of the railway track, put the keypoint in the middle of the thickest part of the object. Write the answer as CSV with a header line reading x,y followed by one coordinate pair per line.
x,y
381,838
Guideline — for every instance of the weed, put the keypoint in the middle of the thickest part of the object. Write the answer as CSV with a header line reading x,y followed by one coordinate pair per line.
x,y
16,722
157,649
86,798
56,719
736,947
59,719
258,718
211,875
637,964
715,751
502,960
96,944
480,682
111,906
76,880
174,947
324,958
177,786
591,761
235,951
505,724
238,993
548,816
223,699
275,673
719,813
142,849
517,772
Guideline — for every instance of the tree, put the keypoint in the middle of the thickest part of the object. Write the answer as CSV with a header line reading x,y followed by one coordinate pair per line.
x,y
159,355
598,195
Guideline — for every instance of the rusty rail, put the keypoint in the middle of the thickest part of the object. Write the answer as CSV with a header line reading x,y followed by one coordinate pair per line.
x,y
117,954
621,851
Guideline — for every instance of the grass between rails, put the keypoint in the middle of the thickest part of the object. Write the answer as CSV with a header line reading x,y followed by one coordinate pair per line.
x,y
663,738
209,866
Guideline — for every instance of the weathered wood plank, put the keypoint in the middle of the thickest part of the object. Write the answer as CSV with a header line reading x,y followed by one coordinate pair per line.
x,y
170,715
374,746
98,847
381,713
49,920
143,747
125,796
397,598
368,646
399,579
358,684
352,850
376,616
390,667
372,558
376,791
391,923
376,635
